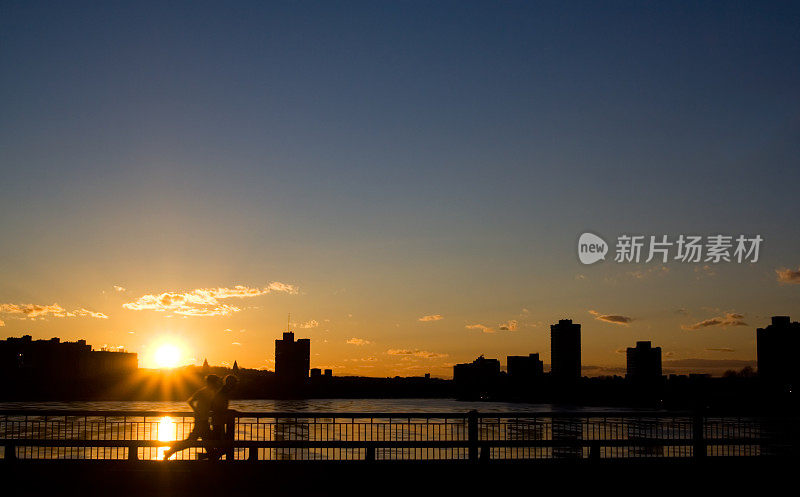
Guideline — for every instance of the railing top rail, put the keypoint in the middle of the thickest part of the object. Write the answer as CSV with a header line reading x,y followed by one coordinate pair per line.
x,y
23,442
344,415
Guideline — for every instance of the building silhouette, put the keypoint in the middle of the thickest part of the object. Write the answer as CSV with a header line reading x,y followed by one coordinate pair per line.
x,y
62,360
524,368
777,347
644,363
477,377
565,350
292,359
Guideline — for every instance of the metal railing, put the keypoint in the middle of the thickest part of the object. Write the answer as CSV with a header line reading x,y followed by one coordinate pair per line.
x,y
473,436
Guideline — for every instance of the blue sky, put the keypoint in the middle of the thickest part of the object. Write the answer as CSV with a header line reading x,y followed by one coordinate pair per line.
x,y
394,160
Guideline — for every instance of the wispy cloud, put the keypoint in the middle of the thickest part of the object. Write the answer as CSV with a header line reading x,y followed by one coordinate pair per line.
x,y
306,325
729,319
721,349
119,288
710,366
612,318
37,311
705,271
204,301
786,275
431,317
357,341
653,271
510,325
86,313
424,354
478,326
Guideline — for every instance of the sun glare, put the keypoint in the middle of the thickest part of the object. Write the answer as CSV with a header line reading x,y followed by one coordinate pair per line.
x,y
167,356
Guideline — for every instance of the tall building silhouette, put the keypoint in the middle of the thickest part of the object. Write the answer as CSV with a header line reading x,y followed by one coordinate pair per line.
x,y
565,350
777,347
292,359
644,362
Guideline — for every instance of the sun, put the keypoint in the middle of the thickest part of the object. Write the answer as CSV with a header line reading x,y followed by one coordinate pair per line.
x,y
167,355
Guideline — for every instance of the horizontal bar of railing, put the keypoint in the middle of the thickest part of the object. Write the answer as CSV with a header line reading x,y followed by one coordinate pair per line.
x,y
344,415
356,444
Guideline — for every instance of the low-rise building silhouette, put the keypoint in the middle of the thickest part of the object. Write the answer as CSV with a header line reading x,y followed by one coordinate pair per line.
x,y
565,350
644,363
476,377
524,368
62,360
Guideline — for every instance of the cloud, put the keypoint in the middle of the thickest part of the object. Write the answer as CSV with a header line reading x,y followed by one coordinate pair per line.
x,y
308,324
204,301
510,325
358,341
721,349
86,312
424,354
222,310
704,271
119,288
709,366
612,318
786,275
592,370
431,317
37,311
729,319
2,323
709,363
657,271
481,327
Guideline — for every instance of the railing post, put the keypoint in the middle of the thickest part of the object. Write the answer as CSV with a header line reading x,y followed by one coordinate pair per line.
x,y
11,452
486,453
133,452
472,434
230,435
594,451
699,444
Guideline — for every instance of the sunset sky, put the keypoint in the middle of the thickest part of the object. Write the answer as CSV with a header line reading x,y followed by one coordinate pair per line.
x,y
407,179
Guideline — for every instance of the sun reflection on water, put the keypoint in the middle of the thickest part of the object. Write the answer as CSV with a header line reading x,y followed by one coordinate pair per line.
x,y
167,431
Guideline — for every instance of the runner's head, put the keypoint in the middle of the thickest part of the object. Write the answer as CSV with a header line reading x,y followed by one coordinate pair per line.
x,y
213,380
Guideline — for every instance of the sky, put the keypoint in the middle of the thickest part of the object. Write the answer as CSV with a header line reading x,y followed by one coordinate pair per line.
x,y
407,179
